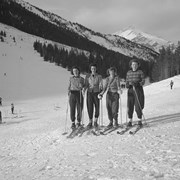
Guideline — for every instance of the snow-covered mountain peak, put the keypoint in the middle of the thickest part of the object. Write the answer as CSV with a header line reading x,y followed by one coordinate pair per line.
x,y
146,39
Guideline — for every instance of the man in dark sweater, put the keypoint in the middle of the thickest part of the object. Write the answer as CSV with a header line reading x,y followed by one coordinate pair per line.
x,y
134,82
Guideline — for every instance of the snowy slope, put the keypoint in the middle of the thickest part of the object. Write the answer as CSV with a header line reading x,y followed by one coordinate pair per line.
x,y
115,43
25,69
143,38
32,145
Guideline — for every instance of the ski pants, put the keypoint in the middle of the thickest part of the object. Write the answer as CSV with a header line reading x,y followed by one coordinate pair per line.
x,y
76,102
137,101
93,101
112,105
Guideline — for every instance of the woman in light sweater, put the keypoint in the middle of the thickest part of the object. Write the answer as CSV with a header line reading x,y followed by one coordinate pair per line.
x,y
112,86
93,84
76,84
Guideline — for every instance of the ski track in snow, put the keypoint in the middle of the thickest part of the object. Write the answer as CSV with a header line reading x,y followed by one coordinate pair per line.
x,y
32,146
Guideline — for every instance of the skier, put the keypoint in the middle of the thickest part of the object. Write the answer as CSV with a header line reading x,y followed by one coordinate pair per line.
x,y
0,118
12,108
112,85
134,82
93,84
171,84
76,84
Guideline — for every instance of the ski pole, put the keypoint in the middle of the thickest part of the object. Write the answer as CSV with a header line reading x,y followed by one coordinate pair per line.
x,y
81,107
127,109
139,104
101,112
66,117
120,107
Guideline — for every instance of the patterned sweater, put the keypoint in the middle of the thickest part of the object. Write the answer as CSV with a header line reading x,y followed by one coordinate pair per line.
x,y
134,77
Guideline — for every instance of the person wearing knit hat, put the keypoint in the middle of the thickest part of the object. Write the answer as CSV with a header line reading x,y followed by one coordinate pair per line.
x,y
134,82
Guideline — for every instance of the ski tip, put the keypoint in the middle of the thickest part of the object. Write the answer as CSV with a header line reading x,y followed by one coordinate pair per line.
x,y
64,133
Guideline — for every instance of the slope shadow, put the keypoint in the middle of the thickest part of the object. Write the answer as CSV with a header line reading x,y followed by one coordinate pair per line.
x,y
164,119
158,120
5,123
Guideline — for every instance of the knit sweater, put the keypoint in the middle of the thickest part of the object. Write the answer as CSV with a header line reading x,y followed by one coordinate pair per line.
x,y
135,77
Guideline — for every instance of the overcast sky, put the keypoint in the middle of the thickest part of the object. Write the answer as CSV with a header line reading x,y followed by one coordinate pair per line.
x,y
157,17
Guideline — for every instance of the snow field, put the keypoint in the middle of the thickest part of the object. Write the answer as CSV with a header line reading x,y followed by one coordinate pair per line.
x,y
31,140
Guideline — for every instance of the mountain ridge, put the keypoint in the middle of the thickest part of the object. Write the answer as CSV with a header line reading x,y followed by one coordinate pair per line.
x,y
143,38
79,32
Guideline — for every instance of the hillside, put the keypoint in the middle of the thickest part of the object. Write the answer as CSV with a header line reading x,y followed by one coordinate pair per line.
x,y
24,74
33,20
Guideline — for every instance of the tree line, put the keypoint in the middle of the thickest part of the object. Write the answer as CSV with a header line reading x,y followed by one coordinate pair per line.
x,y
68,59
167,64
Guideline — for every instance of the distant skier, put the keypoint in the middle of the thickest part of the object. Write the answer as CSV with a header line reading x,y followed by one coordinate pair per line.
x,y
76,84
12,108
112,85
134,82
171,84
93,84
0,118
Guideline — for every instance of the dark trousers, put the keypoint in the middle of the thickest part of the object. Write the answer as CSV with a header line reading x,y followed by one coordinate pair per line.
x,y
112,105
92,101
133,101
76,102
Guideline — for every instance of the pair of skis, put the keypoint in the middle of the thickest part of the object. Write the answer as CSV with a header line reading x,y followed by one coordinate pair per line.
x,y
128,129
75,132
96,131
81,130
109,130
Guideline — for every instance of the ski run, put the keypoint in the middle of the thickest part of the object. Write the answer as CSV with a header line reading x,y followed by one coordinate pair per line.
x,y
32,146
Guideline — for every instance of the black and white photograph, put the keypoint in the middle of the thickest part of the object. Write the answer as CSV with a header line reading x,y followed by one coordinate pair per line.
x,y
89,90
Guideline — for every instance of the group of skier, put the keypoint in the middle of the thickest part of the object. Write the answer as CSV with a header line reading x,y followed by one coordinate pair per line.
x,y
95,88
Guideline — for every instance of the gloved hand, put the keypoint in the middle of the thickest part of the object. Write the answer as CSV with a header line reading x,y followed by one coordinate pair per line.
x,y
120,91
100,96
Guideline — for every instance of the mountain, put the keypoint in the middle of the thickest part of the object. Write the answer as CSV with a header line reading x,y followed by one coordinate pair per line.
x,y
33,20
148,40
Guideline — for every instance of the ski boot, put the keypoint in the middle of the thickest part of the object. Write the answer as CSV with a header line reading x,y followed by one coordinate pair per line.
x,y
116,123
78,125
110,125
96,123
140,123
73,126
90,125
129,124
